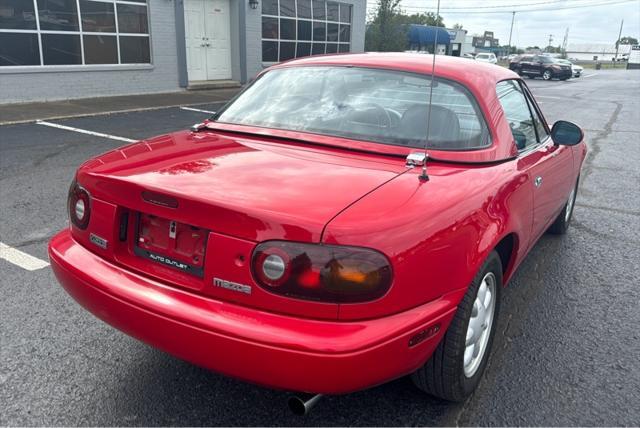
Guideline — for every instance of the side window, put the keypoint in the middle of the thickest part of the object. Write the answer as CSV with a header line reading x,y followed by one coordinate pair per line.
x,y
518,114
537,120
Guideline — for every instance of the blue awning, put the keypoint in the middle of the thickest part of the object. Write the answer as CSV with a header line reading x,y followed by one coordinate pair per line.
x,y
426,35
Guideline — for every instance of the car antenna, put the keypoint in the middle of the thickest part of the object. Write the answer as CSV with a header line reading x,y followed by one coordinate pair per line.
x,y
424,176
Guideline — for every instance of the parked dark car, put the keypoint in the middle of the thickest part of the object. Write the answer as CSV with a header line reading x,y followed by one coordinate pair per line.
x,y
540,66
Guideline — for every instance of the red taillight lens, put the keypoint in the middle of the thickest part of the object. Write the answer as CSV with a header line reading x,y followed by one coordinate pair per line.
x,y
327,273
79,204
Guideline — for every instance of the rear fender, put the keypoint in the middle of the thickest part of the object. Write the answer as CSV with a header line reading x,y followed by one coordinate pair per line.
x,y
437,233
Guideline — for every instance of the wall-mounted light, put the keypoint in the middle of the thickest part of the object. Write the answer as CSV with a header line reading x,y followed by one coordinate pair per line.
x,y
253,4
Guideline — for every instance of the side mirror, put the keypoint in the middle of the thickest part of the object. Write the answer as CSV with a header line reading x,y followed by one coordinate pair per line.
x,y
566,133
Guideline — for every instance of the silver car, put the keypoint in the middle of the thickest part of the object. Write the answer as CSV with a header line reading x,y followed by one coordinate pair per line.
x,y
576,70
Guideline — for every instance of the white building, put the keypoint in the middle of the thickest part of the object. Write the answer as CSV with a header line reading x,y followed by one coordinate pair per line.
x,y
596,52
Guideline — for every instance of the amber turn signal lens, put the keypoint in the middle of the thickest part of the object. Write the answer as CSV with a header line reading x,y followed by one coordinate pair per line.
x,y
326,273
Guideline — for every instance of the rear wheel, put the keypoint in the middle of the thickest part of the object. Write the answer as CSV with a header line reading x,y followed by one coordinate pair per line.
x,y
561,223
455,368
547,75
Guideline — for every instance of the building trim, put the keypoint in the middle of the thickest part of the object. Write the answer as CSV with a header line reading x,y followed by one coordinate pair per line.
x,y
181,45
23,69
242,42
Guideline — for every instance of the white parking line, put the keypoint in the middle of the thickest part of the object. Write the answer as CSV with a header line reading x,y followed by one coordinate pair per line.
x,y
589,75
550,97
21,259
197,109
84,131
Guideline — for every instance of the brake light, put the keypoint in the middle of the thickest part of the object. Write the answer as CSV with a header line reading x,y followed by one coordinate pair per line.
x,y
79,204
327,273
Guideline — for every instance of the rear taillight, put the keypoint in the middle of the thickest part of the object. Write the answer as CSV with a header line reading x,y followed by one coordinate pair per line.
x,y
327,273
79,204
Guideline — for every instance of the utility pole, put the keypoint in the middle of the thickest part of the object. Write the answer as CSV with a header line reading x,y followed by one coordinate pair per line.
x,y
550,40
513,17
618,41
564,42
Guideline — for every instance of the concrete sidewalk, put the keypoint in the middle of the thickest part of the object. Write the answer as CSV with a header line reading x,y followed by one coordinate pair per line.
x,y
30,112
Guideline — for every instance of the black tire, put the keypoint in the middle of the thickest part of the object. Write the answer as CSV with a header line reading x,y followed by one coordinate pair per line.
x,y
547,75
561,223
443,375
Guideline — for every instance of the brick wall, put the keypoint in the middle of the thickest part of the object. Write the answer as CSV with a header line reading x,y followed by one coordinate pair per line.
x,y
162,76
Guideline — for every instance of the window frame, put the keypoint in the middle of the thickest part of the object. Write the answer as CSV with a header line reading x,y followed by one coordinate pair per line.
x,y
530,103
83,66
312,21
537,109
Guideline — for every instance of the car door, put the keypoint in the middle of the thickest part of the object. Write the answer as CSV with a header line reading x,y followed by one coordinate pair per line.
x,y
537,66
526,65
552,176
545,164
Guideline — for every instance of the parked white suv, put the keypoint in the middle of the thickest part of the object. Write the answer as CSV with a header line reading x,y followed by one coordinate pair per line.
x,y
487,57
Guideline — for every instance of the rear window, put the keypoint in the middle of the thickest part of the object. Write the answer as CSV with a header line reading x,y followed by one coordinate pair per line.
x,y
381,106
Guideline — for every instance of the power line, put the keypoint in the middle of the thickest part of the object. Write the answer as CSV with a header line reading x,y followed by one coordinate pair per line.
x,y
476,11
502,6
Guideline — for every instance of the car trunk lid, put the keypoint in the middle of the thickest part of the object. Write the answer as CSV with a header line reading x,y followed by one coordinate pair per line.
x,y
193,206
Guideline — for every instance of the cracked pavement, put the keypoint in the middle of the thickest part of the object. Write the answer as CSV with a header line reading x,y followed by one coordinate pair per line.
x,y
567,345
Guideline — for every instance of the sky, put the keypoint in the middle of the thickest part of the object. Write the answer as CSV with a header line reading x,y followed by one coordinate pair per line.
x,y
589,21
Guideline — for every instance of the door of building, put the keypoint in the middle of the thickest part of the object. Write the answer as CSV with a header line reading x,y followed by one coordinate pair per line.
x,y
208,39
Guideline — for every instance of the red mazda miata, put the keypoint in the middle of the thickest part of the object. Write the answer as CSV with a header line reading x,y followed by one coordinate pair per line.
x,y
344,221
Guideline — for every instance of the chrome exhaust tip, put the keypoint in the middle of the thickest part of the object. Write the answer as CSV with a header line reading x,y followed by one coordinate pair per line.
x,y
302,405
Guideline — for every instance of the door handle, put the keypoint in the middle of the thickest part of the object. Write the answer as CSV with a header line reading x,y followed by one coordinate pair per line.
x,y
538,181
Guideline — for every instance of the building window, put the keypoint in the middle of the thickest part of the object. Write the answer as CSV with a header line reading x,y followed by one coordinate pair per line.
x,y
298,28
74,32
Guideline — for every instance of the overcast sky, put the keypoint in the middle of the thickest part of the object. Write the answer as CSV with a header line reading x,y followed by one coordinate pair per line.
x,y
589,21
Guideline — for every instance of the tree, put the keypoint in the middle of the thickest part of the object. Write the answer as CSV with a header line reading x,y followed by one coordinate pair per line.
x,y
553,49
457,26
627,40
509,49
383,33
427,18
387,29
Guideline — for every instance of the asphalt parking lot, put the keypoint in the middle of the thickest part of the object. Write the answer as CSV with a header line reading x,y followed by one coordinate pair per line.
x,y
567,348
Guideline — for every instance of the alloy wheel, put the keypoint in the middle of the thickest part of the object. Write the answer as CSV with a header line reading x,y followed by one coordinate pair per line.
x,y
569,207
480,323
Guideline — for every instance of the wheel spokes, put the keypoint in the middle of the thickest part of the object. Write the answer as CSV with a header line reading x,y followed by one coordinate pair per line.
x,y
487,299
479,323
469,339
468,355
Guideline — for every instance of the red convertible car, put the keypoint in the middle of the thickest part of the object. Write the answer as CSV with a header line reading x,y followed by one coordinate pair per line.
x,y
344,221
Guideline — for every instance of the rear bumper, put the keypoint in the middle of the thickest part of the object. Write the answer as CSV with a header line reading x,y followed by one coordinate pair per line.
x,y
273,350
